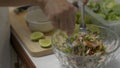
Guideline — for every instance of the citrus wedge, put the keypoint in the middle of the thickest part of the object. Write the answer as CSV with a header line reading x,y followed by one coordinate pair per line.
x,y
35,36
45,43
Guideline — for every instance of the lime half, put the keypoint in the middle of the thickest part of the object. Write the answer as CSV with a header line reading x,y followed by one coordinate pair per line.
x,y
45,43
35,36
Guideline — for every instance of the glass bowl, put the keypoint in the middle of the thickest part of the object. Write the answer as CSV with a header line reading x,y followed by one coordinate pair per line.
x,y
69,60
98,20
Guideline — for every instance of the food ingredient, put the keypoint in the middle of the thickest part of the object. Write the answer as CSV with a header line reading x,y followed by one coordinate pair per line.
x,y
78,18
82,44
41,39
107,9
45,43
35,36
87,44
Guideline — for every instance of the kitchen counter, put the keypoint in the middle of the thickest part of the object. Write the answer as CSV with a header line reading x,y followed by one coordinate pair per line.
x,y
48,61
28,59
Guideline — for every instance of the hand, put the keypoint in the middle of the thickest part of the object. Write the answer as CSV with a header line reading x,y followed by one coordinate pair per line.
x,y
85,1
61,13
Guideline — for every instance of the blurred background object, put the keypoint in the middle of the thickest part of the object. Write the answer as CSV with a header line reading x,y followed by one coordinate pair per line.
x,y
37,20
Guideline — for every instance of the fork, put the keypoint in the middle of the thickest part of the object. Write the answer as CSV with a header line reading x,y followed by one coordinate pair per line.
x,y
83,27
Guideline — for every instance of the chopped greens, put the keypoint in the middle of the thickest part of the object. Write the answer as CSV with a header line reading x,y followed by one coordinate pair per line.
x,y
107,9
82,44
78,18
87,44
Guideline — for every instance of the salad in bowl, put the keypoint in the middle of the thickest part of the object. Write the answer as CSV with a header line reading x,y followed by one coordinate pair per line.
x,y
85,50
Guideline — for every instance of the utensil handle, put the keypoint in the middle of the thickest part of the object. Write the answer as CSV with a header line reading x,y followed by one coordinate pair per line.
x,y
83,25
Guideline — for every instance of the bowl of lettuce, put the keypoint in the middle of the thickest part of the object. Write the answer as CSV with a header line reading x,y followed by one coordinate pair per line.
x,y
105,13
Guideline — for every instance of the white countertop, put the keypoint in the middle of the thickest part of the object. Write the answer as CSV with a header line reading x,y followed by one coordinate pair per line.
x,y
51,61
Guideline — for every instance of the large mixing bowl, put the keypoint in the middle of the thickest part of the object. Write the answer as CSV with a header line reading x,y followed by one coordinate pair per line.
x,y
109,39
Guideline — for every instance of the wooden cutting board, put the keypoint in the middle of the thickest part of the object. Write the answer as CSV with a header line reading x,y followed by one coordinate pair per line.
x,y
22,31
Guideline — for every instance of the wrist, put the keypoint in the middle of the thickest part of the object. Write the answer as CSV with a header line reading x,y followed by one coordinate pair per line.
x,y
41,3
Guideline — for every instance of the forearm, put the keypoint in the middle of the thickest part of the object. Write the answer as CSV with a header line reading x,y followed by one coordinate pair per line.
x,y
19,2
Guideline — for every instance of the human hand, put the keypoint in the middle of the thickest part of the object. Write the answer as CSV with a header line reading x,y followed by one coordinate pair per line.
x,y
61,13
85,1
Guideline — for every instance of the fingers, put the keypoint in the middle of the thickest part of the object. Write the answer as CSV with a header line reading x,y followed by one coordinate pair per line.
x,y
62,14
66,20
85,1
70,21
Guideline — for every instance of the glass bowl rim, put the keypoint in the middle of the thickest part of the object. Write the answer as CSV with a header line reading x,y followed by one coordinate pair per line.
x,y
107,53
